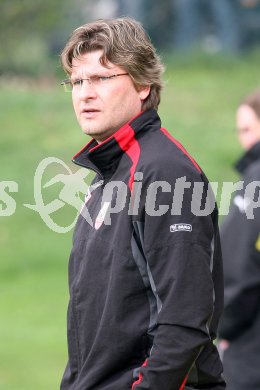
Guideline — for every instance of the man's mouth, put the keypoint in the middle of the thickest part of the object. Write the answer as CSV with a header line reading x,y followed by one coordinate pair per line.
x,y
90,112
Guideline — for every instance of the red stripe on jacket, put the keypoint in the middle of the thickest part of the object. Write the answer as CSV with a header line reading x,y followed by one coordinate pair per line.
x,y
128,143
140,377
183,383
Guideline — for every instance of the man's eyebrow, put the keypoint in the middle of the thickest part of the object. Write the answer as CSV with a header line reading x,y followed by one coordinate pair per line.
x,y
99,74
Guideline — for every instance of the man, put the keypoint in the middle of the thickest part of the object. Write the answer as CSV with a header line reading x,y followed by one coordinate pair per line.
x,y
145,275
240,234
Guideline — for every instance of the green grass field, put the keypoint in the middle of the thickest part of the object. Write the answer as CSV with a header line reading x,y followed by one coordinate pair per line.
x,y
198,107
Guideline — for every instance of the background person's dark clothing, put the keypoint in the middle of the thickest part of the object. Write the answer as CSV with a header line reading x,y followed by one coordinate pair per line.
x,y
240,323
146,292
196,19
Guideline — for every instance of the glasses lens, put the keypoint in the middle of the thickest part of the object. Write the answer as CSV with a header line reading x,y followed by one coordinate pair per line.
x,y
67,85
95,80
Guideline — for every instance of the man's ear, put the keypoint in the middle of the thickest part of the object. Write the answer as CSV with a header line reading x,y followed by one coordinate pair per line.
x,y
144,92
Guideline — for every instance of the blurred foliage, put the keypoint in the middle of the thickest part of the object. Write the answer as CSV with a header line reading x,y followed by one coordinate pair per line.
x,y
32,33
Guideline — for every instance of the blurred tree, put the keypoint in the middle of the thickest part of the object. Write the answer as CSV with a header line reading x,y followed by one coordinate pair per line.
x,y
23,25
33,32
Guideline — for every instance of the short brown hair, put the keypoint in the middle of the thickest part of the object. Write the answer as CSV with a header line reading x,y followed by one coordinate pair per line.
x,y
253,101
124,43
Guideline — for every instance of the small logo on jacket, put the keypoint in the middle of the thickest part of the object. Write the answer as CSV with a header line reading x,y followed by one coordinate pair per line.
x,y
180,227
101,215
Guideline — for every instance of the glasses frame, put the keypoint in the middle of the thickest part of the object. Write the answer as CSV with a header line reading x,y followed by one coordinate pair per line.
x,y
69,85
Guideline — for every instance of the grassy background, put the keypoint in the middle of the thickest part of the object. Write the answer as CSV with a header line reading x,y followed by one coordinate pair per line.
x,y
198,107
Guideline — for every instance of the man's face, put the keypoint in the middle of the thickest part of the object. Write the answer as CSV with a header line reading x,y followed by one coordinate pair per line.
x,y
101,109
248,126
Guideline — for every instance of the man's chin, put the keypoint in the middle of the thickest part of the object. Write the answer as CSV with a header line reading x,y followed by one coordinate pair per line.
x,y
95,134
90,132
99,134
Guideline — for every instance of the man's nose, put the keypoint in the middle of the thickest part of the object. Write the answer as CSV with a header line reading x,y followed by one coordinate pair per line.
x,y
87,90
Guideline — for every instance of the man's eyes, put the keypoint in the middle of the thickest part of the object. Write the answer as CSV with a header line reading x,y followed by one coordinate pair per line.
x,y
93,79
104,78
77,82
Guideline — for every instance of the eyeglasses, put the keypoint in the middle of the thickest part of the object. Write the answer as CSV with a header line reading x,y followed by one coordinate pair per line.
x,y
96,80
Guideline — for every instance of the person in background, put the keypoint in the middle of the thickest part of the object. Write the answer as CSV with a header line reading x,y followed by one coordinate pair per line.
x,y
239,330
146,282
195,19
155,16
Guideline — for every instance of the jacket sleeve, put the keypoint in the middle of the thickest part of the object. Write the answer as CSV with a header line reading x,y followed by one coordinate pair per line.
x,y
179,250
241,255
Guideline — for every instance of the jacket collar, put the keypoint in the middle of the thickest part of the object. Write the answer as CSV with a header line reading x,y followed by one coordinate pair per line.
x,y
103,158
248,158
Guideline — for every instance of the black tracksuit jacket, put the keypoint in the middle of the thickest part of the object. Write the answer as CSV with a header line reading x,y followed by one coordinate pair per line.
x,y
146,290
240,324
